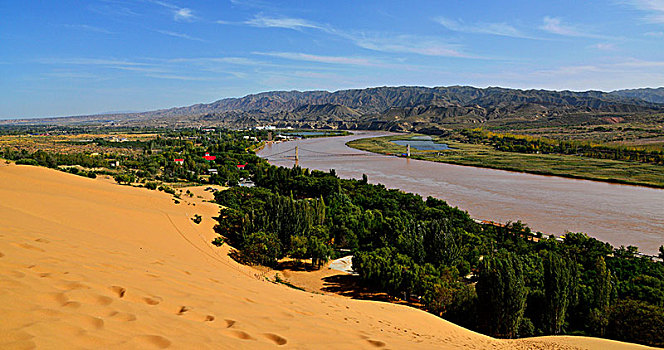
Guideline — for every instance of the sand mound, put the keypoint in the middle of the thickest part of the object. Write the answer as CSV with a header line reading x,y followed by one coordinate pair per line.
x,y
89,264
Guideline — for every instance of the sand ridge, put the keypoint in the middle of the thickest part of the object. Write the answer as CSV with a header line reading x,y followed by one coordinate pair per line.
x,y
90,264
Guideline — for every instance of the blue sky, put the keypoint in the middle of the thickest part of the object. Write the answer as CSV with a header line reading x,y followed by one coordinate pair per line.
x,y
82,57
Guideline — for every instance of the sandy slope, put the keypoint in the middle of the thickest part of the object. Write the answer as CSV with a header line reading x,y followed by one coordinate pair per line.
x,y
90,264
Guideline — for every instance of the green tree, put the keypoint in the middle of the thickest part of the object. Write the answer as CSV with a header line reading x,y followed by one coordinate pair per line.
x,y
318,250
637,321
602,289
298,248
560,282
501,294
261,248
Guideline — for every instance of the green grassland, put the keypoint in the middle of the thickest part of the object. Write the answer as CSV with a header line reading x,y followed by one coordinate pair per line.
x,y
544,164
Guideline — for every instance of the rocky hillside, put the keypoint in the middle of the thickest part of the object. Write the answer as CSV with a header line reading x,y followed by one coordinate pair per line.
x,y
648,94
398,108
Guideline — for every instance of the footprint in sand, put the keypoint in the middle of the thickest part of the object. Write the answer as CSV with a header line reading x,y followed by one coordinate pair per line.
x,y
91,322
1,255
69,285
17,274
89,298
277,339
122,316
42,240
241,335
230,323
152,300
209,318
376,343
183,309
154,341
71,305
102,300
28,246
119,291
59,298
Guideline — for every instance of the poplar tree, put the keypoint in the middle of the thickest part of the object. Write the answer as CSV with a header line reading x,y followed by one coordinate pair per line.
x,y
560,284
501,294
602,288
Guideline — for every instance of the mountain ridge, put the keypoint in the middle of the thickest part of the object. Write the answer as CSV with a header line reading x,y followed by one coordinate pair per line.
x,y
401,108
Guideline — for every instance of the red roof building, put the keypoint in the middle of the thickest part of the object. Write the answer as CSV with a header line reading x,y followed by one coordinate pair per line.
x,y
179,161
209,157
241,166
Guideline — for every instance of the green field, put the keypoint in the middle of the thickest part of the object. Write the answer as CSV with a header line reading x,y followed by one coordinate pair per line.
x,y
545,164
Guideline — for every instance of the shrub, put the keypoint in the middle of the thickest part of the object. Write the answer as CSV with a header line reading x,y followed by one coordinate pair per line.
x,y
219,241
27,161
637,321
261,248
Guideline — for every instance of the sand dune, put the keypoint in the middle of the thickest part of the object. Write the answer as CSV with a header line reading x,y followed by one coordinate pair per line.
x,y
89,264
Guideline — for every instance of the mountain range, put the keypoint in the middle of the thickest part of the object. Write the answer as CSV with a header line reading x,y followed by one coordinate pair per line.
x,y
405,108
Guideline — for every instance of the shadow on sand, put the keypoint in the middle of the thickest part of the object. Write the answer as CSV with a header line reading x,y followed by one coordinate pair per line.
x,y
349,286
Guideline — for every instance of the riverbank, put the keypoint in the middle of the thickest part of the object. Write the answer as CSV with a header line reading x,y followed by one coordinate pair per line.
x,y
605,170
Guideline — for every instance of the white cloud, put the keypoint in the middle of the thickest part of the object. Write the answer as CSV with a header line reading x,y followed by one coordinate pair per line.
x,y
280,22
604,46
427,46
72,75
88,28
180,14
654,7
321,59
179,77
214,60
90,61
501,29
555,25
606,76
183,15
179,35
655,34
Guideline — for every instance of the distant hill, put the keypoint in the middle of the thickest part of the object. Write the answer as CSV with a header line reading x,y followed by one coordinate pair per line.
x,y
404,108
648,94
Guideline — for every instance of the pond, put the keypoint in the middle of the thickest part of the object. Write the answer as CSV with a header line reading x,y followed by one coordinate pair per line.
x,y
422,145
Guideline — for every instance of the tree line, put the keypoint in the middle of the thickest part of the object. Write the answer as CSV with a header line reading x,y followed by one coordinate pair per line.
x,y
530,144
502,281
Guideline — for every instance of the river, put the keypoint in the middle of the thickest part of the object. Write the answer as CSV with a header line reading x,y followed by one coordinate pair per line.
x,y
618,214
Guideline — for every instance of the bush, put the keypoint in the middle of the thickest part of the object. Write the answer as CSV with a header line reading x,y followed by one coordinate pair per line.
x,y
27,161
151,185
197,219
261,248
637,321
167,189
219,241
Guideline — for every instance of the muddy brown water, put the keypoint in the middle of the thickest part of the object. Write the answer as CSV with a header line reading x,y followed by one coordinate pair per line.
x,y
618,214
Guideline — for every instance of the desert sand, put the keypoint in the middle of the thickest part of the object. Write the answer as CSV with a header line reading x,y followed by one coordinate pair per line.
x,y
90,264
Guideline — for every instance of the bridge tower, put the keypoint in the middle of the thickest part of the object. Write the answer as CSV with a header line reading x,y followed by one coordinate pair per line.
x,y
297,155
408,149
